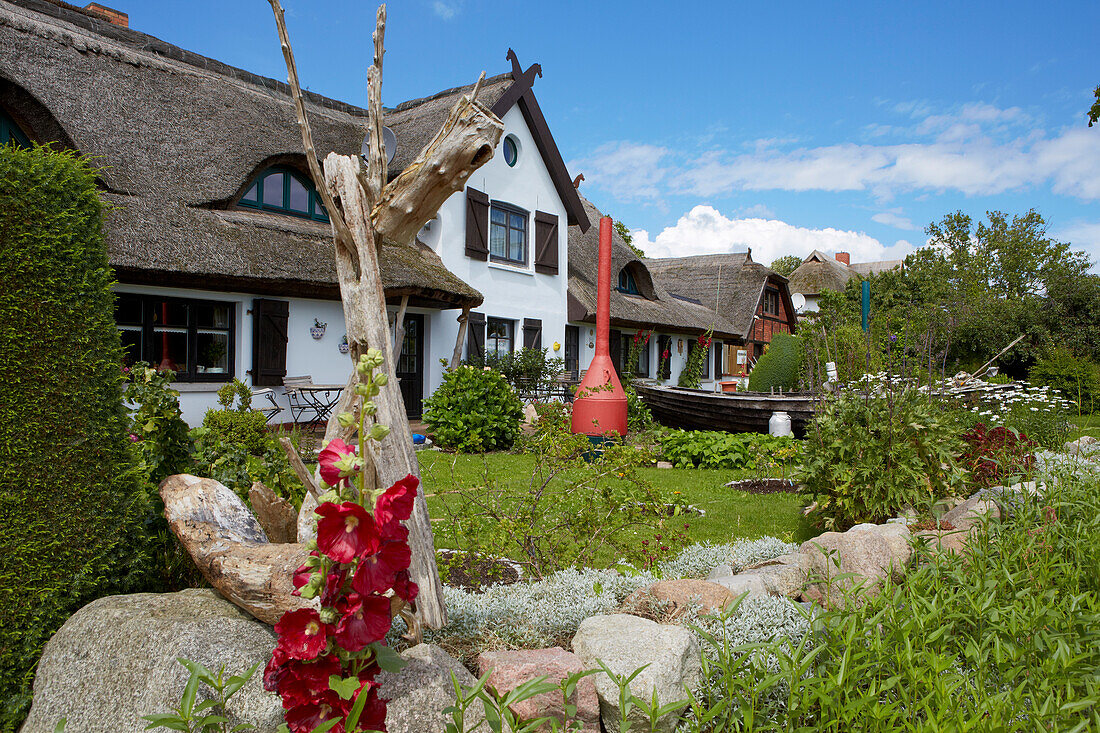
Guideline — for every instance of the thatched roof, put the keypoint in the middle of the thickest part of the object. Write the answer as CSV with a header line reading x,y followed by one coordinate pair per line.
x,y
416,122
732,283
819,272
180,137
654,308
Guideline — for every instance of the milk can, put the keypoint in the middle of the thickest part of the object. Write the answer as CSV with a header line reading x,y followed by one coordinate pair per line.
x,y
779,424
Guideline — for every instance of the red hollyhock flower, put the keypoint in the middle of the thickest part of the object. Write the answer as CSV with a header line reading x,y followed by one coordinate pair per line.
x,y
327,458
345,532
665,354
305,717
376,572
301,634
334,585
397,502
374,712
363,620
404,588
299,682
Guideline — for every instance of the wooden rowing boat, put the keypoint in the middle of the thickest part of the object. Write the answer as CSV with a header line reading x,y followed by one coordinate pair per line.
x,y
732,412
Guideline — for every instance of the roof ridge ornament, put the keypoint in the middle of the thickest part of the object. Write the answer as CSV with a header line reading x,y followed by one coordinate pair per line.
x,y
524,79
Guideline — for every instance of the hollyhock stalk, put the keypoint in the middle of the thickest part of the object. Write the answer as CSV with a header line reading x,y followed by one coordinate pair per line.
x,y
325,664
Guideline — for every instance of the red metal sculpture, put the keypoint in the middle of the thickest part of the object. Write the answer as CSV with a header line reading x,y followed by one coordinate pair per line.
x,y
600,407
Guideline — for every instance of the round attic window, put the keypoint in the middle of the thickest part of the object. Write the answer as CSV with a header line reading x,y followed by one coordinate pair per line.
x,y
511,150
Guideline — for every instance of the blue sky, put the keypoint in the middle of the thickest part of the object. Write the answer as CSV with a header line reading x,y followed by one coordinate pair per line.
x,y
709,127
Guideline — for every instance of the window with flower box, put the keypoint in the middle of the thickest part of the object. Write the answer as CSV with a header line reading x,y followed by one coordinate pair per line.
x,y
194,338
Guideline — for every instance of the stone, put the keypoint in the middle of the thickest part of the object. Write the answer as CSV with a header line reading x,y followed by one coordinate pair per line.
x,y
510,669
664,464
625,643
530,414
785,575
1085,447
738,584
971,511
422,690
114,661
951,541
871,552
681,594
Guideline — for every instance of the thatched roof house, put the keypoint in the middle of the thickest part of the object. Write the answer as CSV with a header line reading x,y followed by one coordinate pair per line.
x,y
155,116
731,284
820,272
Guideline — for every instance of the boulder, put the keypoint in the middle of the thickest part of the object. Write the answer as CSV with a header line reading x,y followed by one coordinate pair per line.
x,y
738,584
510,669
970,512
625,643
870,552
422,690
681,594
115,660
945,540
785,575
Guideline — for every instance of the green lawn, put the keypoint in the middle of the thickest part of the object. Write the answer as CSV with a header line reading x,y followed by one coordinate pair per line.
x,y
728,515
1086,425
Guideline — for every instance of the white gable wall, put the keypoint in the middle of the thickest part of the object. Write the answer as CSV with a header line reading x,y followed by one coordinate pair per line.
x,y
510,292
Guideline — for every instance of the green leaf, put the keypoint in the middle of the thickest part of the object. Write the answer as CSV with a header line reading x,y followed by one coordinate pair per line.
x,y
344,687
387,658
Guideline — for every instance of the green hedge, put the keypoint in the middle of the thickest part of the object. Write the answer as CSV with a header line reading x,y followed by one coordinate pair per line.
x,y
69,492
779,366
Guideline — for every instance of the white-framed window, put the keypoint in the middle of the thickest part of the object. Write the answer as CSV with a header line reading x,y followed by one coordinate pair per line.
x,y
500,336
507,234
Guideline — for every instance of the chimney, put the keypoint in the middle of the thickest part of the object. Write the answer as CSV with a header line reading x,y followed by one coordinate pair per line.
x,y
112,16
844,258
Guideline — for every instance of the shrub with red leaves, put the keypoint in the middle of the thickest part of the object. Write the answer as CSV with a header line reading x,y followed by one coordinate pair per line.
x,y
995,455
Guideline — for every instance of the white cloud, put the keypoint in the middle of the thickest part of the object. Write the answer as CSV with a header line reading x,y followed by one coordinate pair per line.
x,y
1082,235
446,11
628,171
976,149
705,230
894,219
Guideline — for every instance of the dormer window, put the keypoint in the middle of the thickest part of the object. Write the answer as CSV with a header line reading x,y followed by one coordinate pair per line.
x,y
10,132
627,283
287,192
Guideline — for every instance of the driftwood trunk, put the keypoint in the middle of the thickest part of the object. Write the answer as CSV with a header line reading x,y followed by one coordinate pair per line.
x,y
230,547
217,529
365,211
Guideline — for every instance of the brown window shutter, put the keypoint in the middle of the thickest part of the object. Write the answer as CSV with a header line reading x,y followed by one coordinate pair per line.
x,y
477,224
546,243
532,333
269,339
615,347
475,338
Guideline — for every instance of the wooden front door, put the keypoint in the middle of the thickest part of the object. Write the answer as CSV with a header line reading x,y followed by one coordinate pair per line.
x,y
410,366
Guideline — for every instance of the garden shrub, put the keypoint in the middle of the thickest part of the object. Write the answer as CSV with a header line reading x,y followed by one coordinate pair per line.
x,y
714,449
69,486
779,367
868,456
996,456
234,447
474,410
156,422
524,369
1078,379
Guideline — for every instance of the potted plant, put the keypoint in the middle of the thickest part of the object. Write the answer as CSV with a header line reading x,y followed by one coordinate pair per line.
x,y
317,330
343,345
